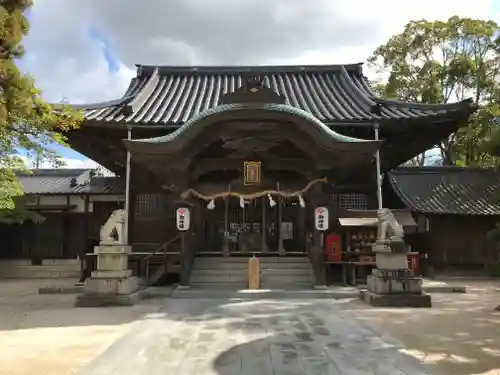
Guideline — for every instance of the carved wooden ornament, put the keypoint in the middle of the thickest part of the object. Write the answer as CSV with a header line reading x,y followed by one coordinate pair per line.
x,y
252,172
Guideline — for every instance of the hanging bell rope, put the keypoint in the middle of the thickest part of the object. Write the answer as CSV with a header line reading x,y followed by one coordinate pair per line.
x,y
248,197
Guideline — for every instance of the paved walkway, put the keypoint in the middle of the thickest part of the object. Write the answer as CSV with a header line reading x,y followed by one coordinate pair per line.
x,y
264,337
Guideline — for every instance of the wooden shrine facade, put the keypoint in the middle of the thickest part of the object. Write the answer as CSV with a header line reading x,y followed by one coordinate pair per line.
x,y
310,133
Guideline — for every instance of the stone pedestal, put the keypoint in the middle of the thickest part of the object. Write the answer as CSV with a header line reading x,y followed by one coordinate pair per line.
x,y
112,284
391,283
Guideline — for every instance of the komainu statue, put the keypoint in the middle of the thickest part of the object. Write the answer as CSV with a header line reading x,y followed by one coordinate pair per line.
x,y
389,230
112,232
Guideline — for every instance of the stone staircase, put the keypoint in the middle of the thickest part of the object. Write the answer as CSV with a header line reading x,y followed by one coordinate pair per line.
x,y
232,273
219,273
291,273
49,269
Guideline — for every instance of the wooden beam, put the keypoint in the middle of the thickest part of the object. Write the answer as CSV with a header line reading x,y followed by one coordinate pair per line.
x,y
207,165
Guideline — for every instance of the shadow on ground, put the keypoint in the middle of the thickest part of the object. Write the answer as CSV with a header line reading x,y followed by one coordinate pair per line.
x,y
21,307
254,337
458,336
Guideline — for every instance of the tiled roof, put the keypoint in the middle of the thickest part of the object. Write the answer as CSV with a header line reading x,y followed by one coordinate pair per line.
x,y
61,181
447,190
336,93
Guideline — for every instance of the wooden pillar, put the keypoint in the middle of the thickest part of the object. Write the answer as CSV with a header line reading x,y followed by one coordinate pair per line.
x,y
225,238
300,230
243,234
65,245
188,247
281,249
131,215
84,261
317,250
263,227
185,266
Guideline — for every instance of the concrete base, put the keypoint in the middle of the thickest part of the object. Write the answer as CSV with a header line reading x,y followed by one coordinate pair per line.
x,y
119,286
380,285
104,300
396,300
392,261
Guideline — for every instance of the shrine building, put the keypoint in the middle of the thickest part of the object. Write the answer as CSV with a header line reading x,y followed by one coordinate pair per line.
x,y
251,152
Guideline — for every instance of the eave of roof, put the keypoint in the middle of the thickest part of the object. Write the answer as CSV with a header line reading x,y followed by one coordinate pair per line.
x,y
447,190
171,95
61,182
322,133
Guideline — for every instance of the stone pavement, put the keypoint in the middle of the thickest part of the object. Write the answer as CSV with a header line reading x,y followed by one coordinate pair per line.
x,y
261,337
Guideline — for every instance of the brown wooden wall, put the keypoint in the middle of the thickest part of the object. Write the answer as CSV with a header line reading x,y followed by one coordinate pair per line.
x,y
54,238
455,241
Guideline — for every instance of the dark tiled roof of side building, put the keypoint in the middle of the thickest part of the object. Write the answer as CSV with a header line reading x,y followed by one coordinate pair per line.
x,y
447,190
331,93
62,181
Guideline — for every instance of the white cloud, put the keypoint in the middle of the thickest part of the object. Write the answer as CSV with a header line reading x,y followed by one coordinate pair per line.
x,y
70,163
68,63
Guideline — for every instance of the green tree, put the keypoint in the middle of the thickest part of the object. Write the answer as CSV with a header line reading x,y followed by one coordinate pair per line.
x,y
446,61
26,121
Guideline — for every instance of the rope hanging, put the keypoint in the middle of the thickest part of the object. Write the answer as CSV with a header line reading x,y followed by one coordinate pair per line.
x,y
186,194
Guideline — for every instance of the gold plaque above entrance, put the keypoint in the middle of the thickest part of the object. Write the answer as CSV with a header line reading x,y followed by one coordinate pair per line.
x,y
252,172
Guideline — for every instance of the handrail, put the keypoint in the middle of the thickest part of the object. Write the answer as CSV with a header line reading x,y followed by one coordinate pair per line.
x,y
163,246
161,249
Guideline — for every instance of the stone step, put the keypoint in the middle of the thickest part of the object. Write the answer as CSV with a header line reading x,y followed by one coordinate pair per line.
x,y
218,286
220,266
224,272
39,272
266,260
271,270
287,286
195,278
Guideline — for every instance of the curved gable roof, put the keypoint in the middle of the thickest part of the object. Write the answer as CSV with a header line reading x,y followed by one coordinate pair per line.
x,y
315,128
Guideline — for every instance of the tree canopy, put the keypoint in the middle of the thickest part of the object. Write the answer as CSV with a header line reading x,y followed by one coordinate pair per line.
x,y
27,122
445,61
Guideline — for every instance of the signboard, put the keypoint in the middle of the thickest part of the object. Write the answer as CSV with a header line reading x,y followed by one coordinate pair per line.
x,y
321,218
252,172
183,217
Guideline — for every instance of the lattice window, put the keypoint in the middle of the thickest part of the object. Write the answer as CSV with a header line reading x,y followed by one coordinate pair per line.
x,y
151,206
350,201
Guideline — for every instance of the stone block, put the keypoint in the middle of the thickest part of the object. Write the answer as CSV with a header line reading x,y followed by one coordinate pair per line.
x,y
111,286
392,274
392,261
380,285
103,300
396,300
113,249
111,274
112,262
